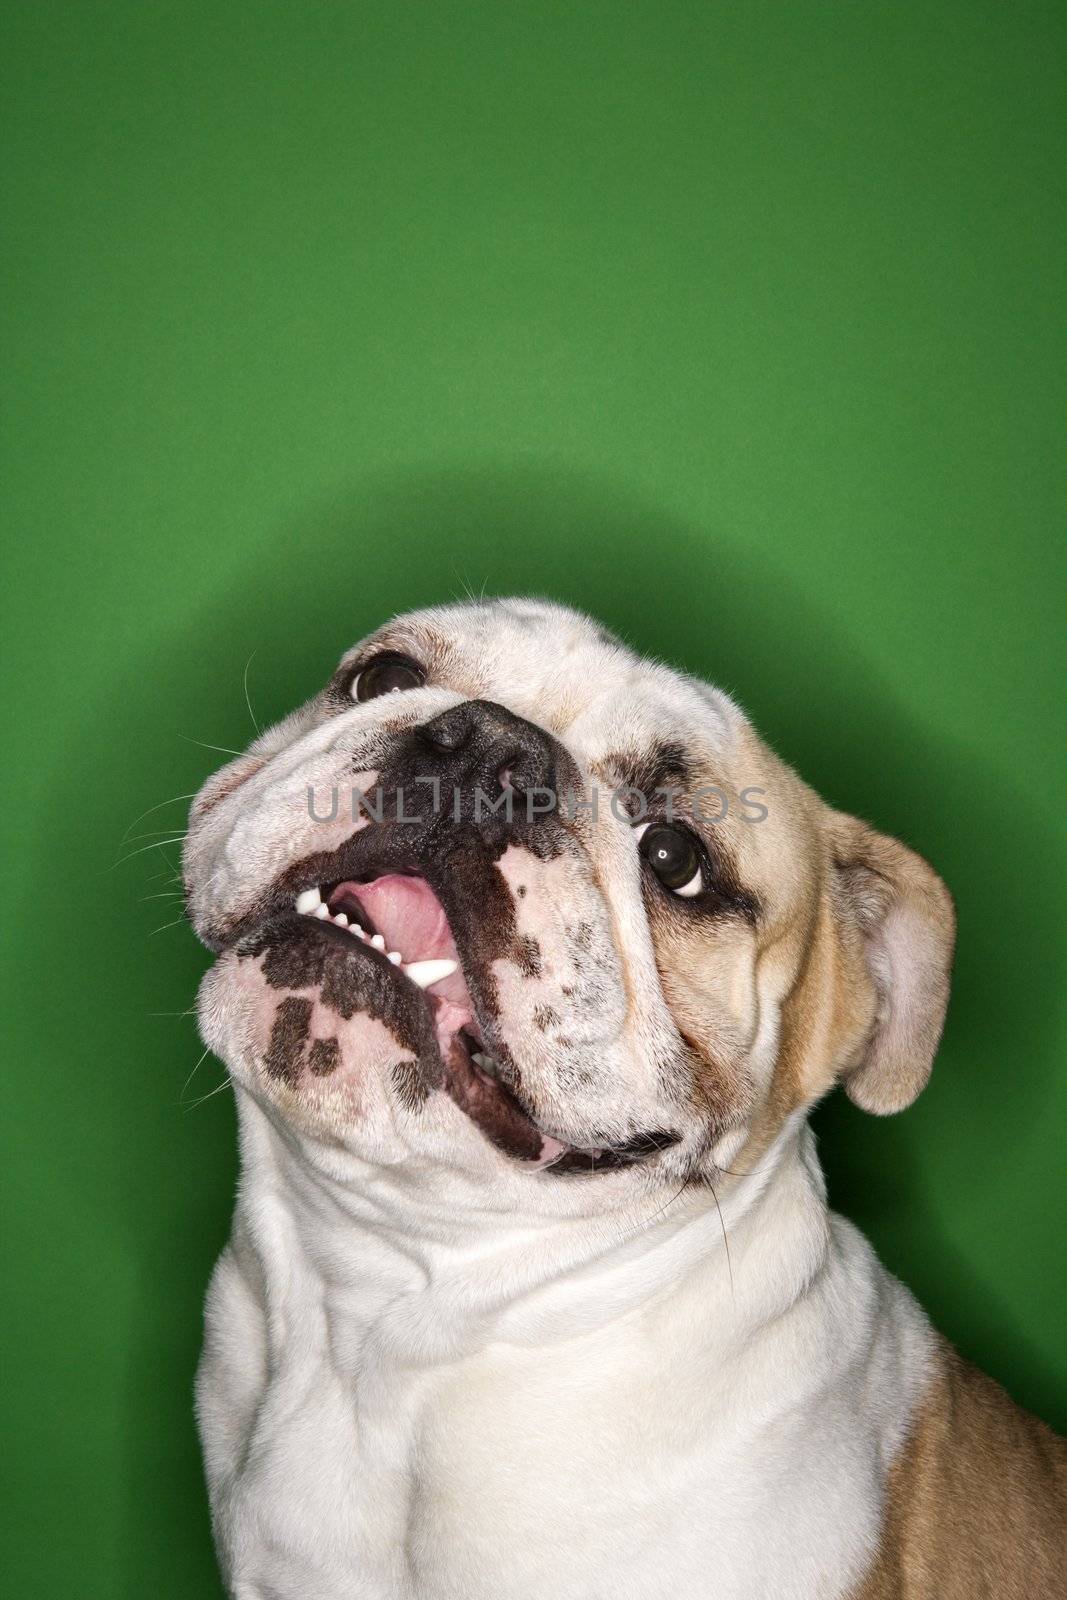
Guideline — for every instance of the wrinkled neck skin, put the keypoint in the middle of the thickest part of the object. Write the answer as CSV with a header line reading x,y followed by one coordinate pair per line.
x,y
430,1265
409,1392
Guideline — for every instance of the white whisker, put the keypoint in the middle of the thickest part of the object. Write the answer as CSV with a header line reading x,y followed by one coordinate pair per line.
x,y
225,1084
158,807
248,702
193,1074
158,845
221,748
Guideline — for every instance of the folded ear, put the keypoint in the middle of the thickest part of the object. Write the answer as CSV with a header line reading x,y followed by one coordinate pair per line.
x,y
896,914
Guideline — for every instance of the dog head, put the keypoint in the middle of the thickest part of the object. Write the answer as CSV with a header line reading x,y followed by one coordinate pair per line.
x,y
506,899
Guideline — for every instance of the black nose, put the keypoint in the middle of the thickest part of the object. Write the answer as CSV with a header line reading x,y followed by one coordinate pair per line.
x,y
486,740
452,729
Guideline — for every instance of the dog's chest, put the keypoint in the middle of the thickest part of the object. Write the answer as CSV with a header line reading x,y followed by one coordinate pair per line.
x,y
592,1469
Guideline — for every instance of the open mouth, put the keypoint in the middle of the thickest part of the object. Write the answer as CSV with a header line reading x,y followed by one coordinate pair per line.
x,y
340,904
397,918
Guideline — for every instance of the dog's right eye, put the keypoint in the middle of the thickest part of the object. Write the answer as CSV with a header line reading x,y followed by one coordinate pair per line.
x,y
386,674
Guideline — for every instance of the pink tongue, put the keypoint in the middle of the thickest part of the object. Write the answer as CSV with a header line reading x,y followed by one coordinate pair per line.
x,y
411,919
407,912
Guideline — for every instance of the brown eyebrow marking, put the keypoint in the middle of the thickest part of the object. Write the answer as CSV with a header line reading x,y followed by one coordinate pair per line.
x,y
665,765
431,650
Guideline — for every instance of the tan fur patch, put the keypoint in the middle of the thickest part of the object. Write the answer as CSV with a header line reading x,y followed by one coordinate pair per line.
x,y
814,1019
976,1503
825,1013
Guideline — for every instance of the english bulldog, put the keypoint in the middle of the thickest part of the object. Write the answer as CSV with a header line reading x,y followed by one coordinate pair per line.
x,y
532,959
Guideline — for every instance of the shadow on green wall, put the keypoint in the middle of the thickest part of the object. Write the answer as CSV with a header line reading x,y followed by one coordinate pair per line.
x,y
678,592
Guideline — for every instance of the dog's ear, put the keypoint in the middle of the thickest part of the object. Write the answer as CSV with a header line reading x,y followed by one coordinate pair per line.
x,y
896,917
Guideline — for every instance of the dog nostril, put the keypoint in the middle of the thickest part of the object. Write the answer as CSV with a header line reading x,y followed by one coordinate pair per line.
x,y
446,733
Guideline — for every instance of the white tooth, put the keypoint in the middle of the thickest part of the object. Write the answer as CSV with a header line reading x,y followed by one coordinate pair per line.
x,y
322,912
341,920
426,972
308,902
395,957
354,927
378,942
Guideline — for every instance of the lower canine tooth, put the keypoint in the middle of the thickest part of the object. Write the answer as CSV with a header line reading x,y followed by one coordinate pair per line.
x,y
308,902
341,920
395,957
322,912
426,972
378,942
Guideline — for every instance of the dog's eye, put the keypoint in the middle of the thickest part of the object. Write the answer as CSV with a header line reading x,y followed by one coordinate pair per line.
x,y
675,858
386,674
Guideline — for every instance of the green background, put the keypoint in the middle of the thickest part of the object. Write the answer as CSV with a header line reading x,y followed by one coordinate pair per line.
x,y
738,325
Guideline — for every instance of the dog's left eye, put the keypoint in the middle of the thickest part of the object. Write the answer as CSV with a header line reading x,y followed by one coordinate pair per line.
x,y
675,857
386,674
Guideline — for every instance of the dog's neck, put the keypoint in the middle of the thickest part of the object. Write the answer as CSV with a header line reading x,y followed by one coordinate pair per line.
x,y
403,1262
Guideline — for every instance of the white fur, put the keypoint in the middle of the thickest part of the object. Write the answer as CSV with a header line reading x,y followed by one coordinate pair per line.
x,y
401,1397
